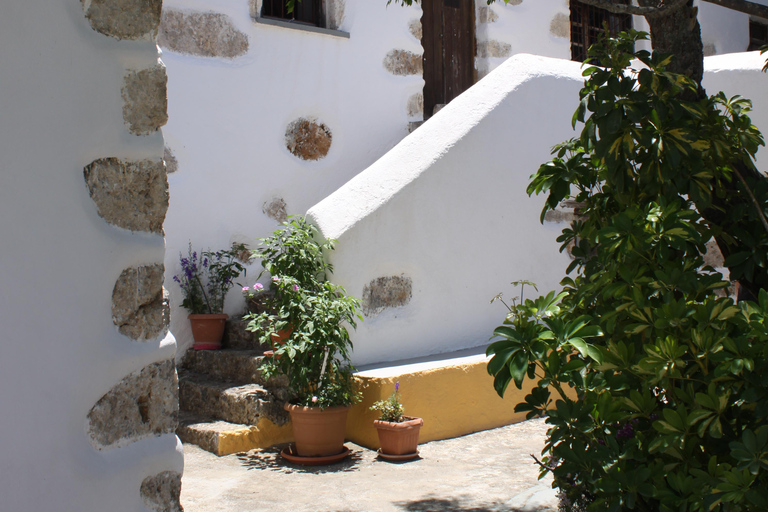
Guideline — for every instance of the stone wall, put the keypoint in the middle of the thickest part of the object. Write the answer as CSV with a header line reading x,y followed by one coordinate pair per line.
x,y
85,315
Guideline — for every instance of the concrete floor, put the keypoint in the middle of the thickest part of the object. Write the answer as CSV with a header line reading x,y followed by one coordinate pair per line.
x,y
489,471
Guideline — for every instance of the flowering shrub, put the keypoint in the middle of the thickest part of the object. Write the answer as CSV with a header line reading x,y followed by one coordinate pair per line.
x,y
315,356
206,278
653,382
391,409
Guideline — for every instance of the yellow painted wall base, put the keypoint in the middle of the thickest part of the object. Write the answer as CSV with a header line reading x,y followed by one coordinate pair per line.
x,y
453,400
262,435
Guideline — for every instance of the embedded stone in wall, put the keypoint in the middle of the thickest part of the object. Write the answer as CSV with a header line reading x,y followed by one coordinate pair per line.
x,y
206,34
143,404
486,15
386,292
171,164
334,13
558,216
493,48
276,209
145,102
140,304
129,194
414,27
124,19
415,105
403,63
713,256
308,139
560,26
161,492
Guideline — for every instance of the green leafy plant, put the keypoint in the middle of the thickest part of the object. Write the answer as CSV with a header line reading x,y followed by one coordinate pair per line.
x,y
316,355
390,409
206,278
653,382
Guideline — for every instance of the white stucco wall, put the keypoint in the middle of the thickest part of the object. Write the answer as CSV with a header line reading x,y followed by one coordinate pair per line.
x,y
228,119
60,352
447,206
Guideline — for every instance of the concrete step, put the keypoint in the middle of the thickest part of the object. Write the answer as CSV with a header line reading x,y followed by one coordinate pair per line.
x,y
223,438
234,402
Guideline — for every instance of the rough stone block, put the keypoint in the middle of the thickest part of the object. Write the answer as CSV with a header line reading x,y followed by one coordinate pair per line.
x,y
171,164
386,292
713,256
124,19
129,194
560,26
145,101
205,34
143,404
307,139
140,303
414,27
276,209
403,63
161,492
415,105
486,15
493,48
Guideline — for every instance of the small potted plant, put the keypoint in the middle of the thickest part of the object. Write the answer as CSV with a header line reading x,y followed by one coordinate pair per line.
x,y
205,279
398,434
311,316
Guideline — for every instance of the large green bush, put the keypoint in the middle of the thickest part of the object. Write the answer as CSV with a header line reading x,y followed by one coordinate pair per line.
x,y
654,383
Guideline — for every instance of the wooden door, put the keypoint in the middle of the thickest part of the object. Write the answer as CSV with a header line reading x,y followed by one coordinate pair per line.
x,y
448,38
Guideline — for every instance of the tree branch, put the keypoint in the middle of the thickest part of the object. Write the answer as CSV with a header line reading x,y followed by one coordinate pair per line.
x,y
743,6
663,7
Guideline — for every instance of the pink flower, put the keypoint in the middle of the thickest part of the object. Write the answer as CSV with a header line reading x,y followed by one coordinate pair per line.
x,y
295,287
314,399
275,279
258,287
245,288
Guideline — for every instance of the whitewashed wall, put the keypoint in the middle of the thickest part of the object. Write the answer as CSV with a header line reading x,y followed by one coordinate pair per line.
x,y
228,119
61,105
447,206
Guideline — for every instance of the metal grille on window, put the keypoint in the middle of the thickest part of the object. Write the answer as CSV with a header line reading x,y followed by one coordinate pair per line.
x,y
588,23
306,12
758,34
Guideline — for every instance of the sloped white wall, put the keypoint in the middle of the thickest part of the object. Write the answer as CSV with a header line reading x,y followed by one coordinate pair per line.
x,y
447,206
60,352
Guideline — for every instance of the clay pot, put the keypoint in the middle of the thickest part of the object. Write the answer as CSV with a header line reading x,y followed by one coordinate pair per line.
x,y
399,438
208,330
318,432
278,340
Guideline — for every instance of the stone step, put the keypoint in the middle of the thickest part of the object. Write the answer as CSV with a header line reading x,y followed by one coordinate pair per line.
x,y
227,364
233,402
223,438
236,337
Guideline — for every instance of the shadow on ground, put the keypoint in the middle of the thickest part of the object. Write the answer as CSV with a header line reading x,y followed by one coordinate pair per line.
x,y
270,459
434,504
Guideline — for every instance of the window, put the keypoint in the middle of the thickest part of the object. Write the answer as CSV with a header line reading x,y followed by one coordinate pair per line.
x,y
306,12
758,34
588,23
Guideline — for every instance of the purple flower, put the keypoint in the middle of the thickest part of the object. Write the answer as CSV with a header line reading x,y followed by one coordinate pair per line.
x,y
397,386
295,287
176,278
258,287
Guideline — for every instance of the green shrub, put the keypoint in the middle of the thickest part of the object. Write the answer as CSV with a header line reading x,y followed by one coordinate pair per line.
x,y
654,383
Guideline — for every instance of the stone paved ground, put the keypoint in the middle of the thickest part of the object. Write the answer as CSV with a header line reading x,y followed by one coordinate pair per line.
x,y
489,471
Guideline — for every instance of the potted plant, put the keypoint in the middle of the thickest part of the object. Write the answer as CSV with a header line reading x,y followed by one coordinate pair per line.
x,y
312,315
398,434
205,279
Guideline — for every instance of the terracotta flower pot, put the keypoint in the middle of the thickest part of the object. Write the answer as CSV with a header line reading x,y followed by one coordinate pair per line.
x,y
399,438
278,340
318,432
208,330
